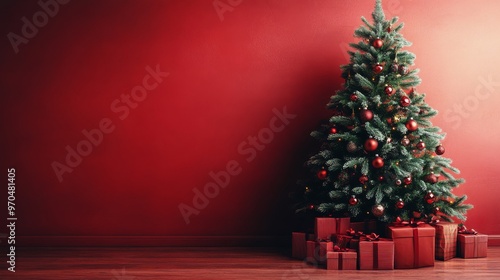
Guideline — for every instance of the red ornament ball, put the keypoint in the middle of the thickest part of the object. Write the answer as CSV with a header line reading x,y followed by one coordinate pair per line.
x,y
363,179
378,210
311,206
377,43
411,125
378,162
407,180
381,178
378,68
403,69
351,147
333,130
388,90
353,97
371,145
440,150
322,174
405,141
420,145
404,101
394,67
400,204
353,200
430,197
436,210
431,178
366,115
398,182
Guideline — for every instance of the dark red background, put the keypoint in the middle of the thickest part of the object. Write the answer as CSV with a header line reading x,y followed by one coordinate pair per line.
x,y
227,74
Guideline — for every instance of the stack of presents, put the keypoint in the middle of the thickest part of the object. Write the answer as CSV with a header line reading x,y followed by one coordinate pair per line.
x,y
340,244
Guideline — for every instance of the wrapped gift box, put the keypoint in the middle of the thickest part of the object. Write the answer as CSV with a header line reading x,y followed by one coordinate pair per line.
x,y
376,255
446,241
413,246
299,245
325,227
472,245
341,260
316,251
324,248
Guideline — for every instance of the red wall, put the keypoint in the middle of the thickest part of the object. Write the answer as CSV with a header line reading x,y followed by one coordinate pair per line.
x,y
231,73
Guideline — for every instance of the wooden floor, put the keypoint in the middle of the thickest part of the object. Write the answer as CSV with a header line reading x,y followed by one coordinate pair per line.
x,y
215,263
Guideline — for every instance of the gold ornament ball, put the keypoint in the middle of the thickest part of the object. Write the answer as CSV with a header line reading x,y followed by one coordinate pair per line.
x,y
378,210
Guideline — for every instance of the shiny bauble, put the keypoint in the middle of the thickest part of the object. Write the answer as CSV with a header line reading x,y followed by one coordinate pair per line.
x,y
440,150
377,43
400,204
370,145
378,210
322,174
407,180
420,145
353,200
378,162
430,197
411,125
366,115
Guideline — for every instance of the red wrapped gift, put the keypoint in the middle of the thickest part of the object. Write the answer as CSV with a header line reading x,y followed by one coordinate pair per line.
x,y
446,241
325,227
472,245
299,245
324,247
341,260
374,255
316,251
414,246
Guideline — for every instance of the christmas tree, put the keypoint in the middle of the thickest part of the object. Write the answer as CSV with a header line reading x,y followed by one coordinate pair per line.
x,y
380,156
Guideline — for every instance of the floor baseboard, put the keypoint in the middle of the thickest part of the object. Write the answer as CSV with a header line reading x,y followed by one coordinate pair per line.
x,y
156,241
167,241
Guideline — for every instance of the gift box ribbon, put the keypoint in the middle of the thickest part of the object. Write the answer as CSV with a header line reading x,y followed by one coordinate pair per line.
x,y
462,229
400,223
354,234
415,248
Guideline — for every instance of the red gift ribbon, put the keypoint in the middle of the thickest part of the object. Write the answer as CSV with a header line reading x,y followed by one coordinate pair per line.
x,y
372,236
462,229
337,248
415,247
337,224
400,223
354,234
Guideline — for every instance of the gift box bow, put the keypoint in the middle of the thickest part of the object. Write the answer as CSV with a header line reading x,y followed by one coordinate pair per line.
x,y
412,222
372,237
462,229
337,248
354,234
